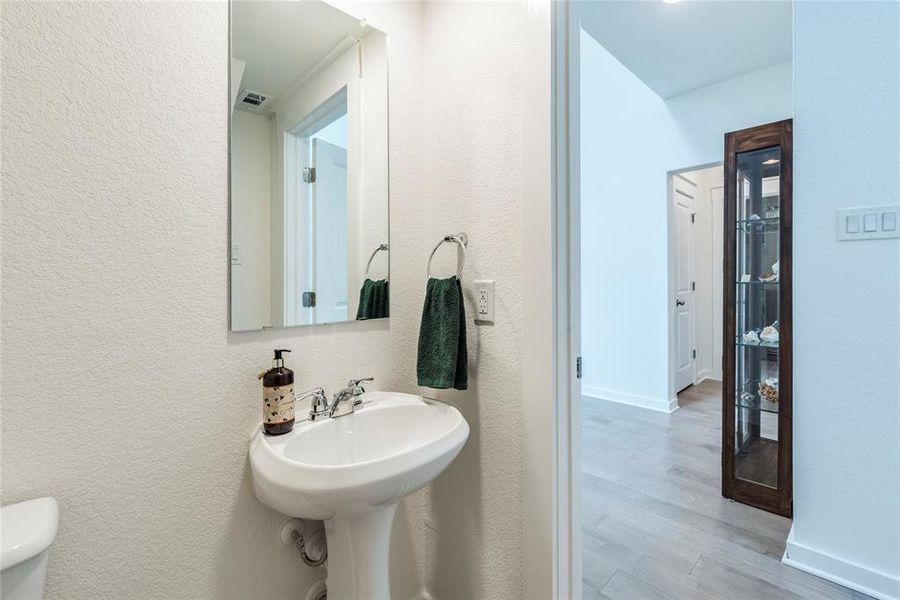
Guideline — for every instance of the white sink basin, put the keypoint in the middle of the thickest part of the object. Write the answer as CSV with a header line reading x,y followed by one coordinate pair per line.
x,y
351,472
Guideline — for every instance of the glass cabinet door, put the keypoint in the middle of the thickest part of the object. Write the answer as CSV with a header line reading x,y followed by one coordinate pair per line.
x,y
756,313
756,465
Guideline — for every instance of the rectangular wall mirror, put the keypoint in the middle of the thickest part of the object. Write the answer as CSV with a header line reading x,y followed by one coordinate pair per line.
x,y
309,166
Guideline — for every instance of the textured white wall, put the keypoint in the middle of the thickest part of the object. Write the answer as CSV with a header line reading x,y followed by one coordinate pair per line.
x,y
114,274
473,151
118,192
846,387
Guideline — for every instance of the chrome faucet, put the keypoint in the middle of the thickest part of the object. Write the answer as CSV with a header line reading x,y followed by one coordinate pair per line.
x,y
319,406
345,401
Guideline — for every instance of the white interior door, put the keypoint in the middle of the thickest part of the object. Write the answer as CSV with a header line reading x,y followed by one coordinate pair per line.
x,y
717,199
329,247
683,303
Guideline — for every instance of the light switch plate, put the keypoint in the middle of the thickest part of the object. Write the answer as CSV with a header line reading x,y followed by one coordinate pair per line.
x,y
484,301
235,255
868,222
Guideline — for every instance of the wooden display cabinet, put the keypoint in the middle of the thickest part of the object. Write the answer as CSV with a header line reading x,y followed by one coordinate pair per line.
x,y
756,390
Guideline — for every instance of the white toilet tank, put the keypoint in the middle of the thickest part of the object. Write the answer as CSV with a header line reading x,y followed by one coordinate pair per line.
x,y
26,531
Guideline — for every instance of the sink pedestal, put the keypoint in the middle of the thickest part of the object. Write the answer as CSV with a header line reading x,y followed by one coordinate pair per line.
x,y
352,471
359,555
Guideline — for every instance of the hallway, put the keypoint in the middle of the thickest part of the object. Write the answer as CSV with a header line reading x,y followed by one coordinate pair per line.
x,y
655,525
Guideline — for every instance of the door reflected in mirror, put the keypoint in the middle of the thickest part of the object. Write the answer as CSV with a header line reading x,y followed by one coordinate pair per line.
x,y
309,166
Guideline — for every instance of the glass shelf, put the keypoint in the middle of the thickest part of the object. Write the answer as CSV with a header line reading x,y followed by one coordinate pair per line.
x,y
759,223
756,402
760,344
773,283
759,231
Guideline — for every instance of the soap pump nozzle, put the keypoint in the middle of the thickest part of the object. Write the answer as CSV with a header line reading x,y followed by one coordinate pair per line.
x,y
279,361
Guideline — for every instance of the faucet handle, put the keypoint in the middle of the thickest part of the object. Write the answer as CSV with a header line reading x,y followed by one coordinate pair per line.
x,y
356,382
319,402
316,393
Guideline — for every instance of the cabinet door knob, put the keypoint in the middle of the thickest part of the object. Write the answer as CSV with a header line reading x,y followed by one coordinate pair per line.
x,y
679,302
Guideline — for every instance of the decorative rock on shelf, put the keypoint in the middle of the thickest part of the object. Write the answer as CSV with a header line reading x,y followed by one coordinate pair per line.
x,y
768,389
769,277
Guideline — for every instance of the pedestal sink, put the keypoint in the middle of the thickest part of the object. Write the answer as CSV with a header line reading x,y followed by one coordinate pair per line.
x,y
351,472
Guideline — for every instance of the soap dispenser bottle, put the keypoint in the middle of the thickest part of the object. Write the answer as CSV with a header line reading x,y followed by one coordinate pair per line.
x,y
278,397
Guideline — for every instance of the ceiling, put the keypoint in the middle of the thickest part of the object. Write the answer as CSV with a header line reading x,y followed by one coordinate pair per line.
x,y
675,48
281,41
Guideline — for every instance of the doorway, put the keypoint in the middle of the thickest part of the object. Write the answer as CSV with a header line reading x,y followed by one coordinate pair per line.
x,y
653,522
632,552
696,198
319,205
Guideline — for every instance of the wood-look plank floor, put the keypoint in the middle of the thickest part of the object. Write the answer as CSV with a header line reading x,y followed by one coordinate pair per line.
x,y
655,524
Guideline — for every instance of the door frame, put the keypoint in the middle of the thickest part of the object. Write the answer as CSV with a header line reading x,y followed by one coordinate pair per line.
x,y
551,516
718,311
671,291
670,288
565,303
299,209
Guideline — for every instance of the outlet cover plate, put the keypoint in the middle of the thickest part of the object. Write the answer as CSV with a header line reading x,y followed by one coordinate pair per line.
x,y
484,301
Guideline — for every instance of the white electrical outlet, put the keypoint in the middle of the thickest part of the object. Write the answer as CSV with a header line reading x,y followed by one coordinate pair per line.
x,y
484,301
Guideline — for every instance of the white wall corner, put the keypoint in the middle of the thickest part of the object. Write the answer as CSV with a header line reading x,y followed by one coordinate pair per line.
x,y
708,374
237,78
882,586
657,404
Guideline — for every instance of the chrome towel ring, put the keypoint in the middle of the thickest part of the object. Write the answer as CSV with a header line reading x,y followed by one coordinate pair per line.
x,y
381,247
460,239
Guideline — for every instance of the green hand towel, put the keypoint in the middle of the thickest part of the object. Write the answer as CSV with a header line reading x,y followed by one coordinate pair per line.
x,y
373,300
443,357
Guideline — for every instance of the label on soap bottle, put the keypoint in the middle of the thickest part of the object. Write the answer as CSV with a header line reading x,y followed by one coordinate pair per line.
x,y
278,404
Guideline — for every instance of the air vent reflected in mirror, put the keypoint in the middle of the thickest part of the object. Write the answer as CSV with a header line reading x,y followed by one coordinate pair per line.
x,y
253,101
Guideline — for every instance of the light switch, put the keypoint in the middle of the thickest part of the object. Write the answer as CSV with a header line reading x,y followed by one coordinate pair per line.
x,y
870,222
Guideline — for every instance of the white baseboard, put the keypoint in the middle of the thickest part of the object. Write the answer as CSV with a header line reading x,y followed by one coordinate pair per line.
x,y
850,575
708,374
658,404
